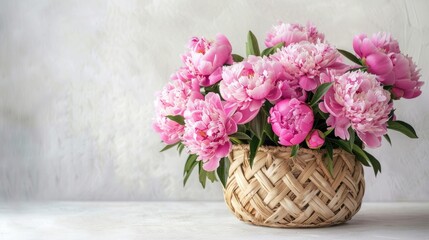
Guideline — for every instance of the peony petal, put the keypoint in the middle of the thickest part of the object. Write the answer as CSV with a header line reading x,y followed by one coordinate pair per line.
x,y
357,44
379,63
369,139
368,48
247,115
223,150
211,164
308,84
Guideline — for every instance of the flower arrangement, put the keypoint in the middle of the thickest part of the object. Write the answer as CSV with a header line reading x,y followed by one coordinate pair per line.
x,y
298,92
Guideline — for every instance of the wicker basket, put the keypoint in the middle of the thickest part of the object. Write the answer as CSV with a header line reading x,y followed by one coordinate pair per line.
x,y
279,191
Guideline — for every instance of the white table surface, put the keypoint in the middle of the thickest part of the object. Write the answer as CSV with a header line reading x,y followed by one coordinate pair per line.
x,y
194,220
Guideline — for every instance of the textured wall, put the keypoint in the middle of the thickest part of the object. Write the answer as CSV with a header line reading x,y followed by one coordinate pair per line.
x,y
77,82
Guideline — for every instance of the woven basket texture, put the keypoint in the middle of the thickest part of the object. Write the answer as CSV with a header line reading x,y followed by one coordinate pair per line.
x,y
280,191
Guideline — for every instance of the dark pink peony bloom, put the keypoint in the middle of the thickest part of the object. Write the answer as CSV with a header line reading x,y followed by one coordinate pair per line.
x,y
291,120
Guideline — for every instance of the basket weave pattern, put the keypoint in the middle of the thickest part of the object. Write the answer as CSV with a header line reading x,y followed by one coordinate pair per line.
x,y
279,191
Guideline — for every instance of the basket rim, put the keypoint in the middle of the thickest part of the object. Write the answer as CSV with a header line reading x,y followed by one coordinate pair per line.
x,y
267,148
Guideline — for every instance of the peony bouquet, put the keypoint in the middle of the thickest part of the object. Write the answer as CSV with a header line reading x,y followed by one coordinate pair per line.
x,y
298,92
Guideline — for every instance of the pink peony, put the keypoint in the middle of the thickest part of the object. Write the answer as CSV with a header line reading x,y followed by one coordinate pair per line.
x,y
406,77
207,126
375,53
293,33
247,84
306,61
291,120
205,58
315,139
385,42
290,88
358,100
185,75
172,100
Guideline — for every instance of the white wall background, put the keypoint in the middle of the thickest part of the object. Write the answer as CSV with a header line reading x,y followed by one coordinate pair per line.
x,y
77,82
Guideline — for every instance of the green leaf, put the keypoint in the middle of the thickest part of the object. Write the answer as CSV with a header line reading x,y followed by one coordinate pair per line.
x,y
213,88
177,118
387,137
316,109
202,174
254,145
212,176
294,150
330,156
402,127
361,155
169,146
321,90
267,52
374,162
180,148
242,128
222,171
189,167
271,135
352,137
258,124
252,45
271,50
240,135
364,69
235,140
341,143
350,56
328,132
237,58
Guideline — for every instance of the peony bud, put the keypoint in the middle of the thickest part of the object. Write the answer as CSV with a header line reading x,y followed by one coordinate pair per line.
x,y
315,139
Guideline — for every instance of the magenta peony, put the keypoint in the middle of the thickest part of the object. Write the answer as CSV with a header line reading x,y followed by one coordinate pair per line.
x,y
247,84
315,139
406,77
207,126
205,58
293,33
358,100
306,61
375,53
172,100
291,120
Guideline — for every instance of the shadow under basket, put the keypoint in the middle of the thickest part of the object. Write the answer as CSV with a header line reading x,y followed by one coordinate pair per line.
x,y
280,191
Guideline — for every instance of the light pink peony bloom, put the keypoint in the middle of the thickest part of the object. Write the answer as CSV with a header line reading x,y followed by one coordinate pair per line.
x,y
358,100
406,77
293,33
172,100
291,120
385,42
205,58
306,61
315,139
247,84
185,75
207,126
